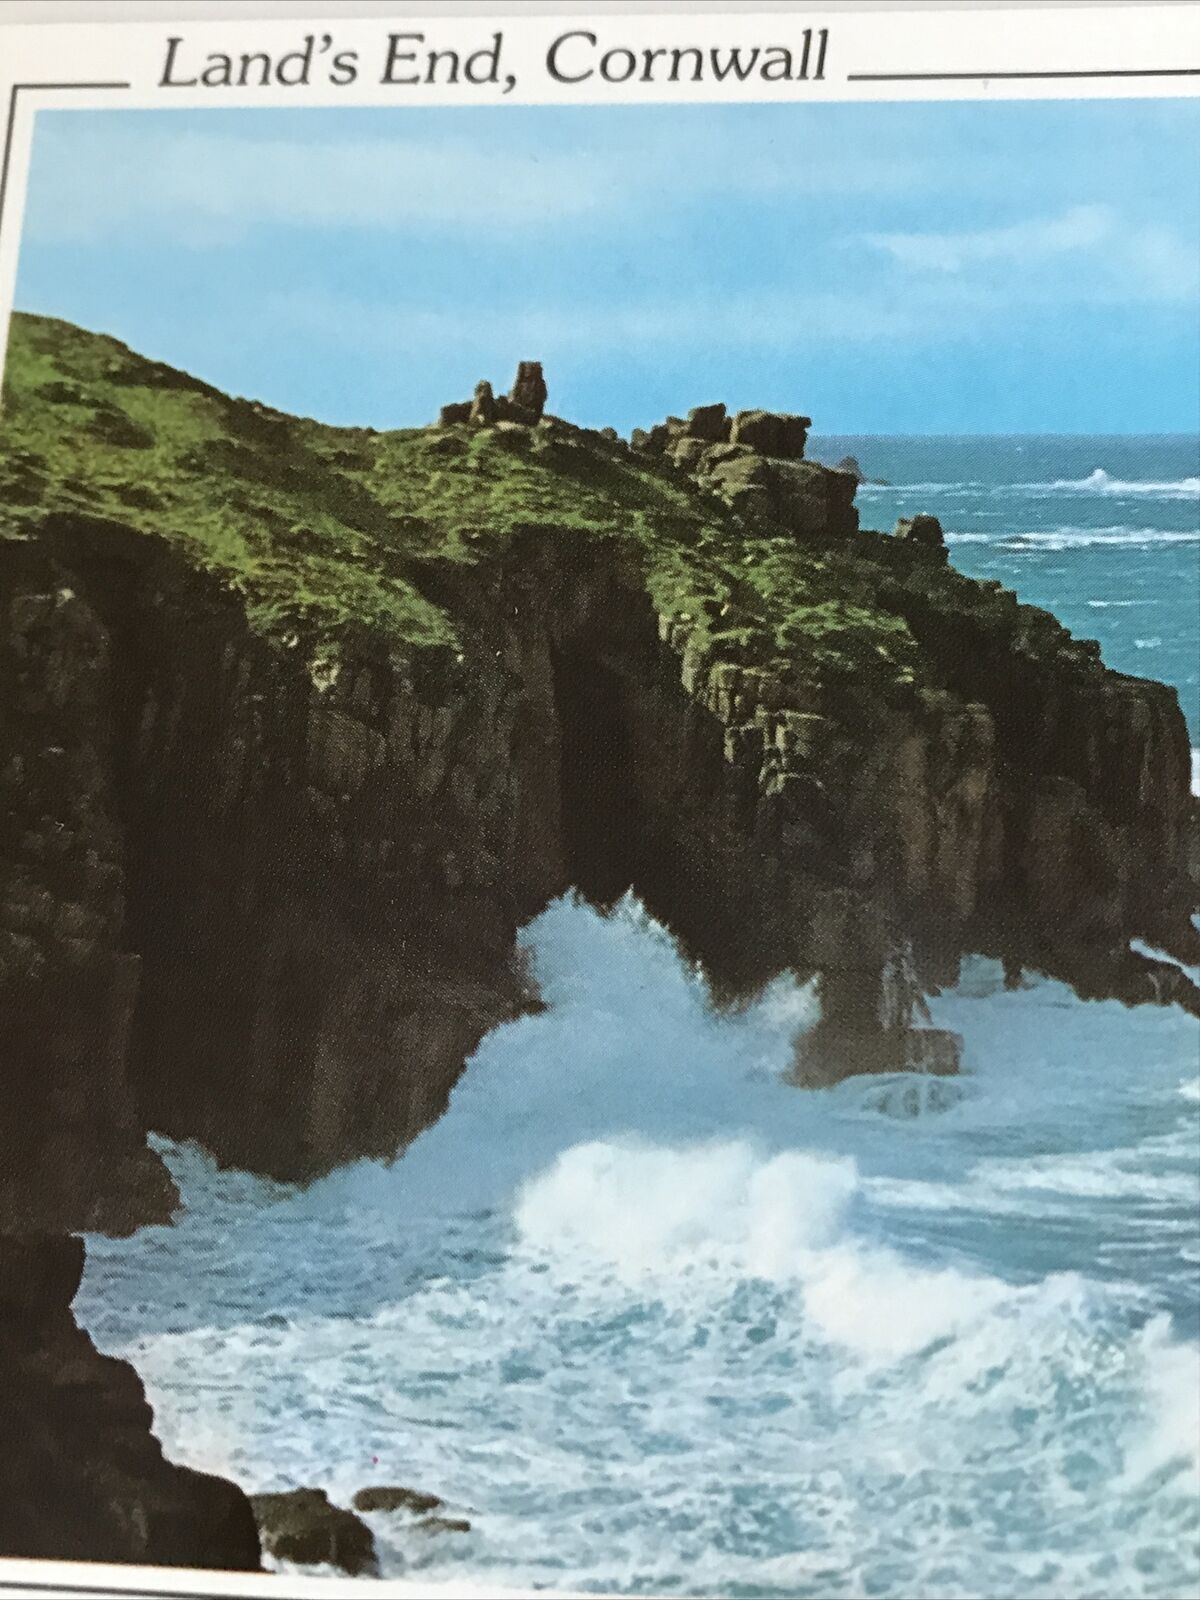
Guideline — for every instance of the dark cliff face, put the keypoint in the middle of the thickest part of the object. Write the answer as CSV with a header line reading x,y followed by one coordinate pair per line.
x,y
81,1476
274,909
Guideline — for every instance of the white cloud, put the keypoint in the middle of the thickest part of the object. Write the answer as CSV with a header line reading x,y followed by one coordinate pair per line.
x,y
1078,228
206,188
1085,255
774,318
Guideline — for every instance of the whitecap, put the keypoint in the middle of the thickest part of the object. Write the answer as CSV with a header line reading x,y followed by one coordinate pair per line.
x,y
1101,482
1068,538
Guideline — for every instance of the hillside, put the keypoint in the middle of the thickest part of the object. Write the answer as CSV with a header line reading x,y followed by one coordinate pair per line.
x,y
330,533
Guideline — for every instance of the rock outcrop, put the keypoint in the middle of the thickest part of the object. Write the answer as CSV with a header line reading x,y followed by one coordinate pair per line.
x,y
523,404
395,1497
305,1527
82,1476
755,462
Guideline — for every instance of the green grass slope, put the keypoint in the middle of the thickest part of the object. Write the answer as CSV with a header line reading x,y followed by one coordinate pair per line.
x,y
324,532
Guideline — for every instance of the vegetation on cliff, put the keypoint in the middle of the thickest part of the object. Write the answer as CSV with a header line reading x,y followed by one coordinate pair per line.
x,y
331,534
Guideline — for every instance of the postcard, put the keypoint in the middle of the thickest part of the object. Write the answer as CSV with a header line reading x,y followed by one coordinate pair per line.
x,y
599,822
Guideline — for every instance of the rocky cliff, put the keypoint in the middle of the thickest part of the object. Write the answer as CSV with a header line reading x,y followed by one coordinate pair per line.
x,y
299,724
302,723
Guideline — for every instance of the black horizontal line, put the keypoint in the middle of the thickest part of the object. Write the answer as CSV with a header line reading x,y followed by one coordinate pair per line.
x,y
1087,72
72,86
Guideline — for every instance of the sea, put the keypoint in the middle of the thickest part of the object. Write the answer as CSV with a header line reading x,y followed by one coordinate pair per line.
x,y
652,1320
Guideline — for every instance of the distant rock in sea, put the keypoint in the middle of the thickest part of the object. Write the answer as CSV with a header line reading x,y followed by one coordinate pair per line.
x,y
850,464
393,1497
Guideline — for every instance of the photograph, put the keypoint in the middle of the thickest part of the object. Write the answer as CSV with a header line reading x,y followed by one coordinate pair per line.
x,y
600,840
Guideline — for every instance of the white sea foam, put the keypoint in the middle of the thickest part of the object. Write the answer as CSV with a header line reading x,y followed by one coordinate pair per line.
x,y
654,1320
1098,1174
1096,482
668,1210
1168,1438
1100,482
1067,538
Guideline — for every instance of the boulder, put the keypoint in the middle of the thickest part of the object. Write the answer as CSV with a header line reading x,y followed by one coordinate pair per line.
x,y
771,433
483,407
709,423
529,389
651,441
923,530
82,1476
687,452
394,1497
303,1526
457,411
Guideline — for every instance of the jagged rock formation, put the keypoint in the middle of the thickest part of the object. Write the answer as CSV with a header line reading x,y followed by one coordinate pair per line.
x,y
755,462
82,1477
523,404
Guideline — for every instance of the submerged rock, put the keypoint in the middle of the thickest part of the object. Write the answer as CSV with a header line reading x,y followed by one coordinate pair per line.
x,y
303,1526
933,1050
394,1497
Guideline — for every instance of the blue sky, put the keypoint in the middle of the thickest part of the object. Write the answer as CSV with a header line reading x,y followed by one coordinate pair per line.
x,y
912,268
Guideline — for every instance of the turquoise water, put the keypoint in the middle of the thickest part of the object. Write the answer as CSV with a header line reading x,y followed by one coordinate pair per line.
x,y
655,1321
1104,532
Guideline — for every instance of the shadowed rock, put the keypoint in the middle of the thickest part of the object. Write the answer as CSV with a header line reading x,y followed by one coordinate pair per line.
x,y
483,406
529,391
709,423
923,530
771,433
303,1526
82,1477
395,1497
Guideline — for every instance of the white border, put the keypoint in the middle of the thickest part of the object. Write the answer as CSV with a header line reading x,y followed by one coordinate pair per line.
x,y
1094,50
